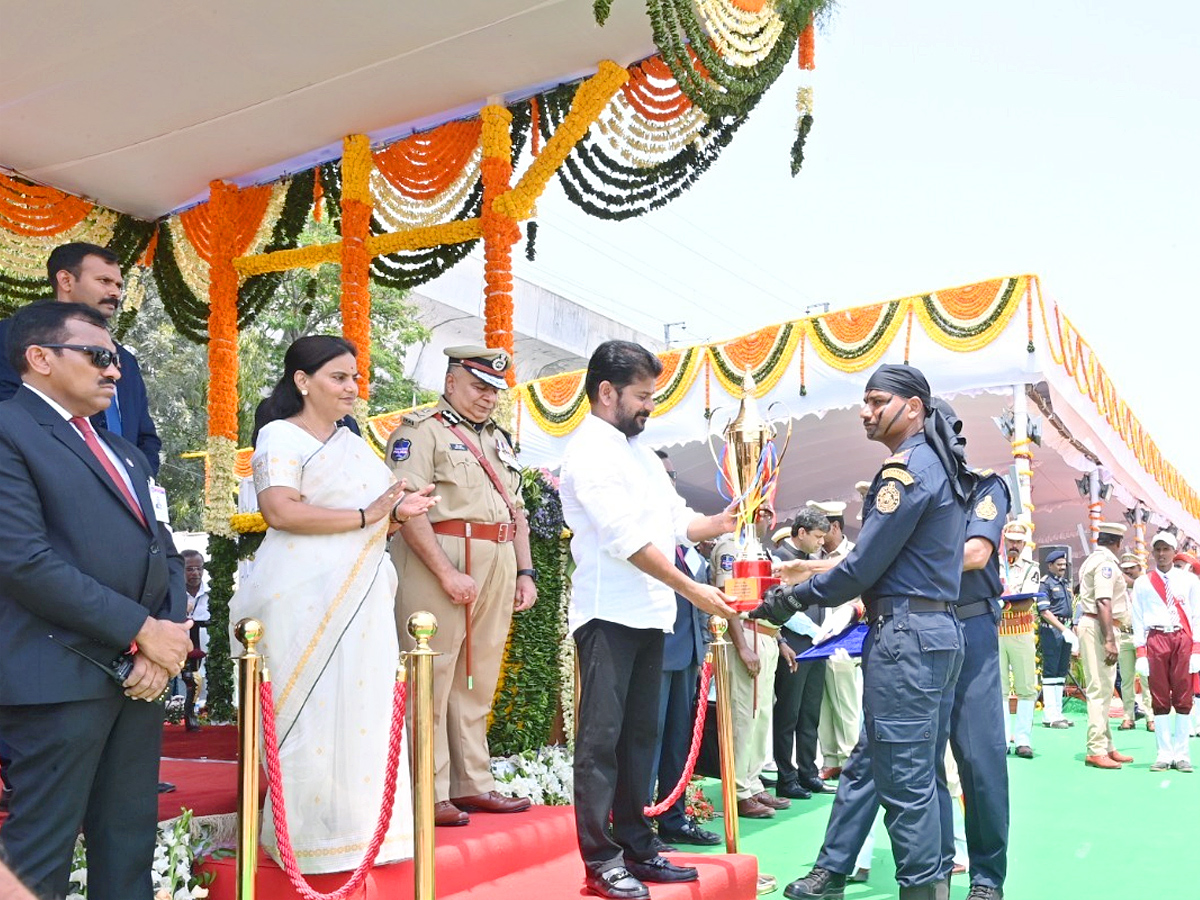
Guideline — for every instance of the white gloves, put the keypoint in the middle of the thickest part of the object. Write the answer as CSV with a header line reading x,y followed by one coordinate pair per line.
x,y
836,622
1142,666
1070,637
841,655
1194,663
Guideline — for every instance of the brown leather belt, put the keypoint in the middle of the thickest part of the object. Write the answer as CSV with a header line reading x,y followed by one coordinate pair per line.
x,y
496,532
758,624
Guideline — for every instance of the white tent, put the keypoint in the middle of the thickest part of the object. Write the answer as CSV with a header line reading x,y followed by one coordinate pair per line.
x,y
982,346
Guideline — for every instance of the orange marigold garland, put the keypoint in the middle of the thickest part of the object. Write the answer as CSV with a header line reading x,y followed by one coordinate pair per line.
x,y
500,231
222,358
356,261
806,50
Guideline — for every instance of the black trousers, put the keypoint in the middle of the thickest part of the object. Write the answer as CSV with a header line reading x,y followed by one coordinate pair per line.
x,y
620,670
795,718
90,765
676,719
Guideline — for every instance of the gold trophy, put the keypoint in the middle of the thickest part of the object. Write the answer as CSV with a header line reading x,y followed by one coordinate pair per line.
x,y
749,468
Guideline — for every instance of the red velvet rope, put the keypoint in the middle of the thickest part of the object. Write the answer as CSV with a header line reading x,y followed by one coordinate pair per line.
x,y
694,753
275,780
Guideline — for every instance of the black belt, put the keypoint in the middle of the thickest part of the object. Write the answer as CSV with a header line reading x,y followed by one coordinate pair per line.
x,y
883,607
972,609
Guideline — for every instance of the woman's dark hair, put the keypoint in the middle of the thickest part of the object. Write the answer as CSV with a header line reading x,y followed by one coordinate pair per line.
x,y
307,355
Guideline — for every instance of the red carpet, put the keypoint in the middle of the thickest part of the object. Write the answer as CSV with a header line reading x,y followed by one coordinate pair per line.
x,y
210,742
505,857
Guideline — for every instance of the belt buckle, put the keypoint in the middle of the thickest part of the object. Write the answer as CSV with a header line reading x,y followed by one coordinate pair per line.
x,y
502,535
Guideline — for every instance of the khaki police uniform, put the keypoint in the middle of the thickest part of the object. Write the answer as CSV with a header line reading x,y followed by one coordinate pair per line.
x,y
1099,576
1122,613
424,450
750,699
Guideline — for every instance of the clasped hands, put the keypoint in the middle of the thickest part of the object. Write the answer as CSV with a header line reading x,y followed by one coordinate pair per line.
x,y
162,651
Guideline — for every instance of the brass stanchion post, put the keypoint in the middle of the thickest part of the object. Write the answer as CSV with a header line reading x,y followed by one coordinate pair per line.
x,y
250,675
719,649
422,626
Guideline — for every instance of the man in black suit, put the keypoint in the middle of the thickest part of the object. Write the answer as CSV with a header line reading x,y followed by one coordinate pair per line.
x,y
800,684
88,576
90,274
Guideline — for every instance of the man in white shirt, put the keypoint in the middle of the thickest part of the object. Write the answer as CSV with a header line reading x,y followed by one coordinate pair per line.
x,y
195,675
1166,621
627,520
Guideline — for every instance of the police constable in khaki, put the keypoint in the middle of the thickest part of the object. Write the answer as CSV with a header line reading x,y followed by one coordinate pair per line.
x,y
468,564
1102,598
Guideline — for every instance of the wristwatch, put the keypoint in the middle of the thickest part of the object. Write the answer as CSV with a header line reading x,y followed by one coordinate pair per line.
x,y
532,573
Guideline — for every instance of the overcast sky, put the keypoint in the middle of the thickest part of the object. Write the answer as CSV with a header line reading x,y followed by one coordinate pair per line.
x,y
953,142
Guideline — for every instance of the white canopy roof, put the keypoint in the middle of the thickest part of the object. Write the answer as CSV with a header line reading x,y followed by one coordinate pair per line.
x,y
1023,346
139,104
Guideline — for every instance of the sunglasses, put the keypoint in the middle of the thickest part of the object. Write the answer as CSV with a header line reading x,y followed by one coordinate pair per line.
x,y
102,357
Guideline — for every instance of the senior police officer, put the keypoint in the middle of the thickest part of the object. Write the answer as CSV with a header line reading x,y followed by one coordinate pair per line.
x,y
1018,650
1056,638
906,566
1102,593
469,564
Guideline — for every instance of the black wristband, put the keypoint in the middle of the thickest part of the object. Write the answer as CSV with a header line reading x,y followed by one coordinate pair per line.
x,y
362,517
532,573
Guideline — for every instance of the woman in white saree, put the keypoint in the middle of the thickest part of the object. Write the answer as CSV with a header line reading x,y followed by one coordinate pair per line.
x,y
323,586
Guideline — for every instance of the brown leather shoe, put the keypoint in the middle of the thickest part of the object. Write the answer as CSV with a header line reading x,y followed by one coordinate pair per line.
x,y
1119,757
750,808
830,773
1126,725
446,813
492,802
1101,762
772,801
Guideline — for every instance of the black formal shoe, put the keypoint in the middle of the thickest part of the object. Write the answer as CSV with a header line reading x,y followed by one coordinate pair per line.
x,y
1025,751
792,789
661,846
690,833
985,892
817,786
618,884
819,883
660,870
165,787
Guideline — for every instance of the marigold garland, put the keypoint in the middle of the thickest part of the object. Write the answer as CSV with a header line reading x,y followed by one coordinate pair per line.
x,y
500,231
854,339
764,352
680,368
248,523
355,258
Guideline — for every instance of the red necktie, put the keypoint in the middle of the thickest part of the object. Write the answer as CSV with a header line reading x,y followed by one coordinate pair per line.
x,y
93,443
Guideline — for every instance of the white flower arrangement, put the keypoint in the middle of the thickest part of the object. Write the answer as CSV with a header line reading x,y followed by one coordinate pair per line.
x,y
545,776
180,843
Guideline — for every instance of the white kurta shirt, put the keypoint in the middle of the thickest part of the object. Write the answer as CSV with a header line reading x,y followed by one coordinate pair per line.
x,y
1149,610
617,498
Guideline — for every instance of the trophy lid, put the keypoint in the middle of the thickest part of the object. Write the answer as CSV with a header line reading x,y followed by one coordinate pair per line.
x,y
748,418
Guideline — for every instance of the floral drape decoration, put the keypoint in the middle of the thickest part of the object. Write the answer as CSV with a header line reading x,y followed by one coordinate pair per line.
x,y
35,219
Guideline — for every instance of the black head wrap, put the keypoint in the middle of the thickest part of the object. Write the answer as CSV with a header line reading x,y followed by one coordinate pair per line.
x,y
943,432
903,381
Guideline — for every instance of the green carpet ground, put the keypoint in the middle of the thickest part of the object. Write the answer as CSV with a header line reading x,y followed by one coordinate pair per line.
x,y
1077,833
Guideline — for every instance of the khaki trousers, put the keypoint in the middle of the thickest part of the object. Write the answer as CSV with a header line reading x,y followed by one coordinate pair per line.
x,y
1127,657
751,723
461,759
841,711
1018,653
1098,681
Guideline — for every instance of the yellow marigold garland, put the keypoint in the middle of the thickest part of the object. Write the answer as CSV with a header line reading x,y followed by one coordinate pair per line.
x,y
248,523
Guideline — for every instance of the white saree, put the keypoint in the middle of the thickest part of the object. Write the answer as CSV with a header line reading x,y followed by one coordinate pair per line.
x,y
326,602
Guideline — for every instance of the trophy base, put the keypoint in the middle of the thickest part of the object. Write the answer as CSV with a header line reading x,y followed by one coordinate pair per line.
x,y
751,579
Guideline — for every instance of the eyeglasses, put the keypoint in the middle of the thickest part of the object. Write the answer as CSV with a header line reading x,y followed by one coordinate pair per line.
x,y
102,357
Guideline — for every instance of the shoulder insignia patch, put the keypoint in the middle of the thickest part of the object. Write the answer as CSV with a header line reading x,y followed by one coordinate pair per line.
x,y
726,562
986,509
417,416
888,498
984,473
900,475
898,459
401,450
1106,571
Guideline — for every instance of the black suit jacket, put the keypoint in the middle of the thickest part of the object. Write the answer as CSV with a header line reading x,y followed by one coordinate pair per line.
x,y
685,646
136,424
75,561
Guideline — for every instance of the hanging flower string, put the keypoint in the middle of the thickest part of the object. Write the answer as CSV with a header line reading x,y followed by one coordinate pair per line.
x,y
500,231
355,258
222,360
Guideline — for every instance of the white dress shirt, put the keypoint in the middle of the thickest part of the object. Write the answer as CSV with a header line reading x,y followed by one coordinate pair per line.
x,y
616,499
1149,610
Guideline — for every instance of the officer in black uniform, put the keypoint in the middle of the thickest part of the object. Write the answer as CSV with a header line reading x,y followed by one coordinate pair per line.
x,y
1055,637
906,566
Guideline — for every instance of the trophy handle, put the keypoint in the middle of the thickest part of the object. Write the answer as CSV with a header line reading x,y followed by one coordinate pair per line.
x,y
722,485
787,438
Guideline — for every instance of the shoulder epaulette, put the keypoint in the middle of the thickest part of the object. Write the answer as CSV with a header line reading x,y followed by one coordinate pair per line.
x,y
449,417
898,459
984,473
897,474
417,416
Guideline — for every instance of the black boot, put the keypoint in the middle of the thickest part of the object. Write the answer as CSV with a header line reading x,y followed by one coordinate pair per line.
x,y
819,883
